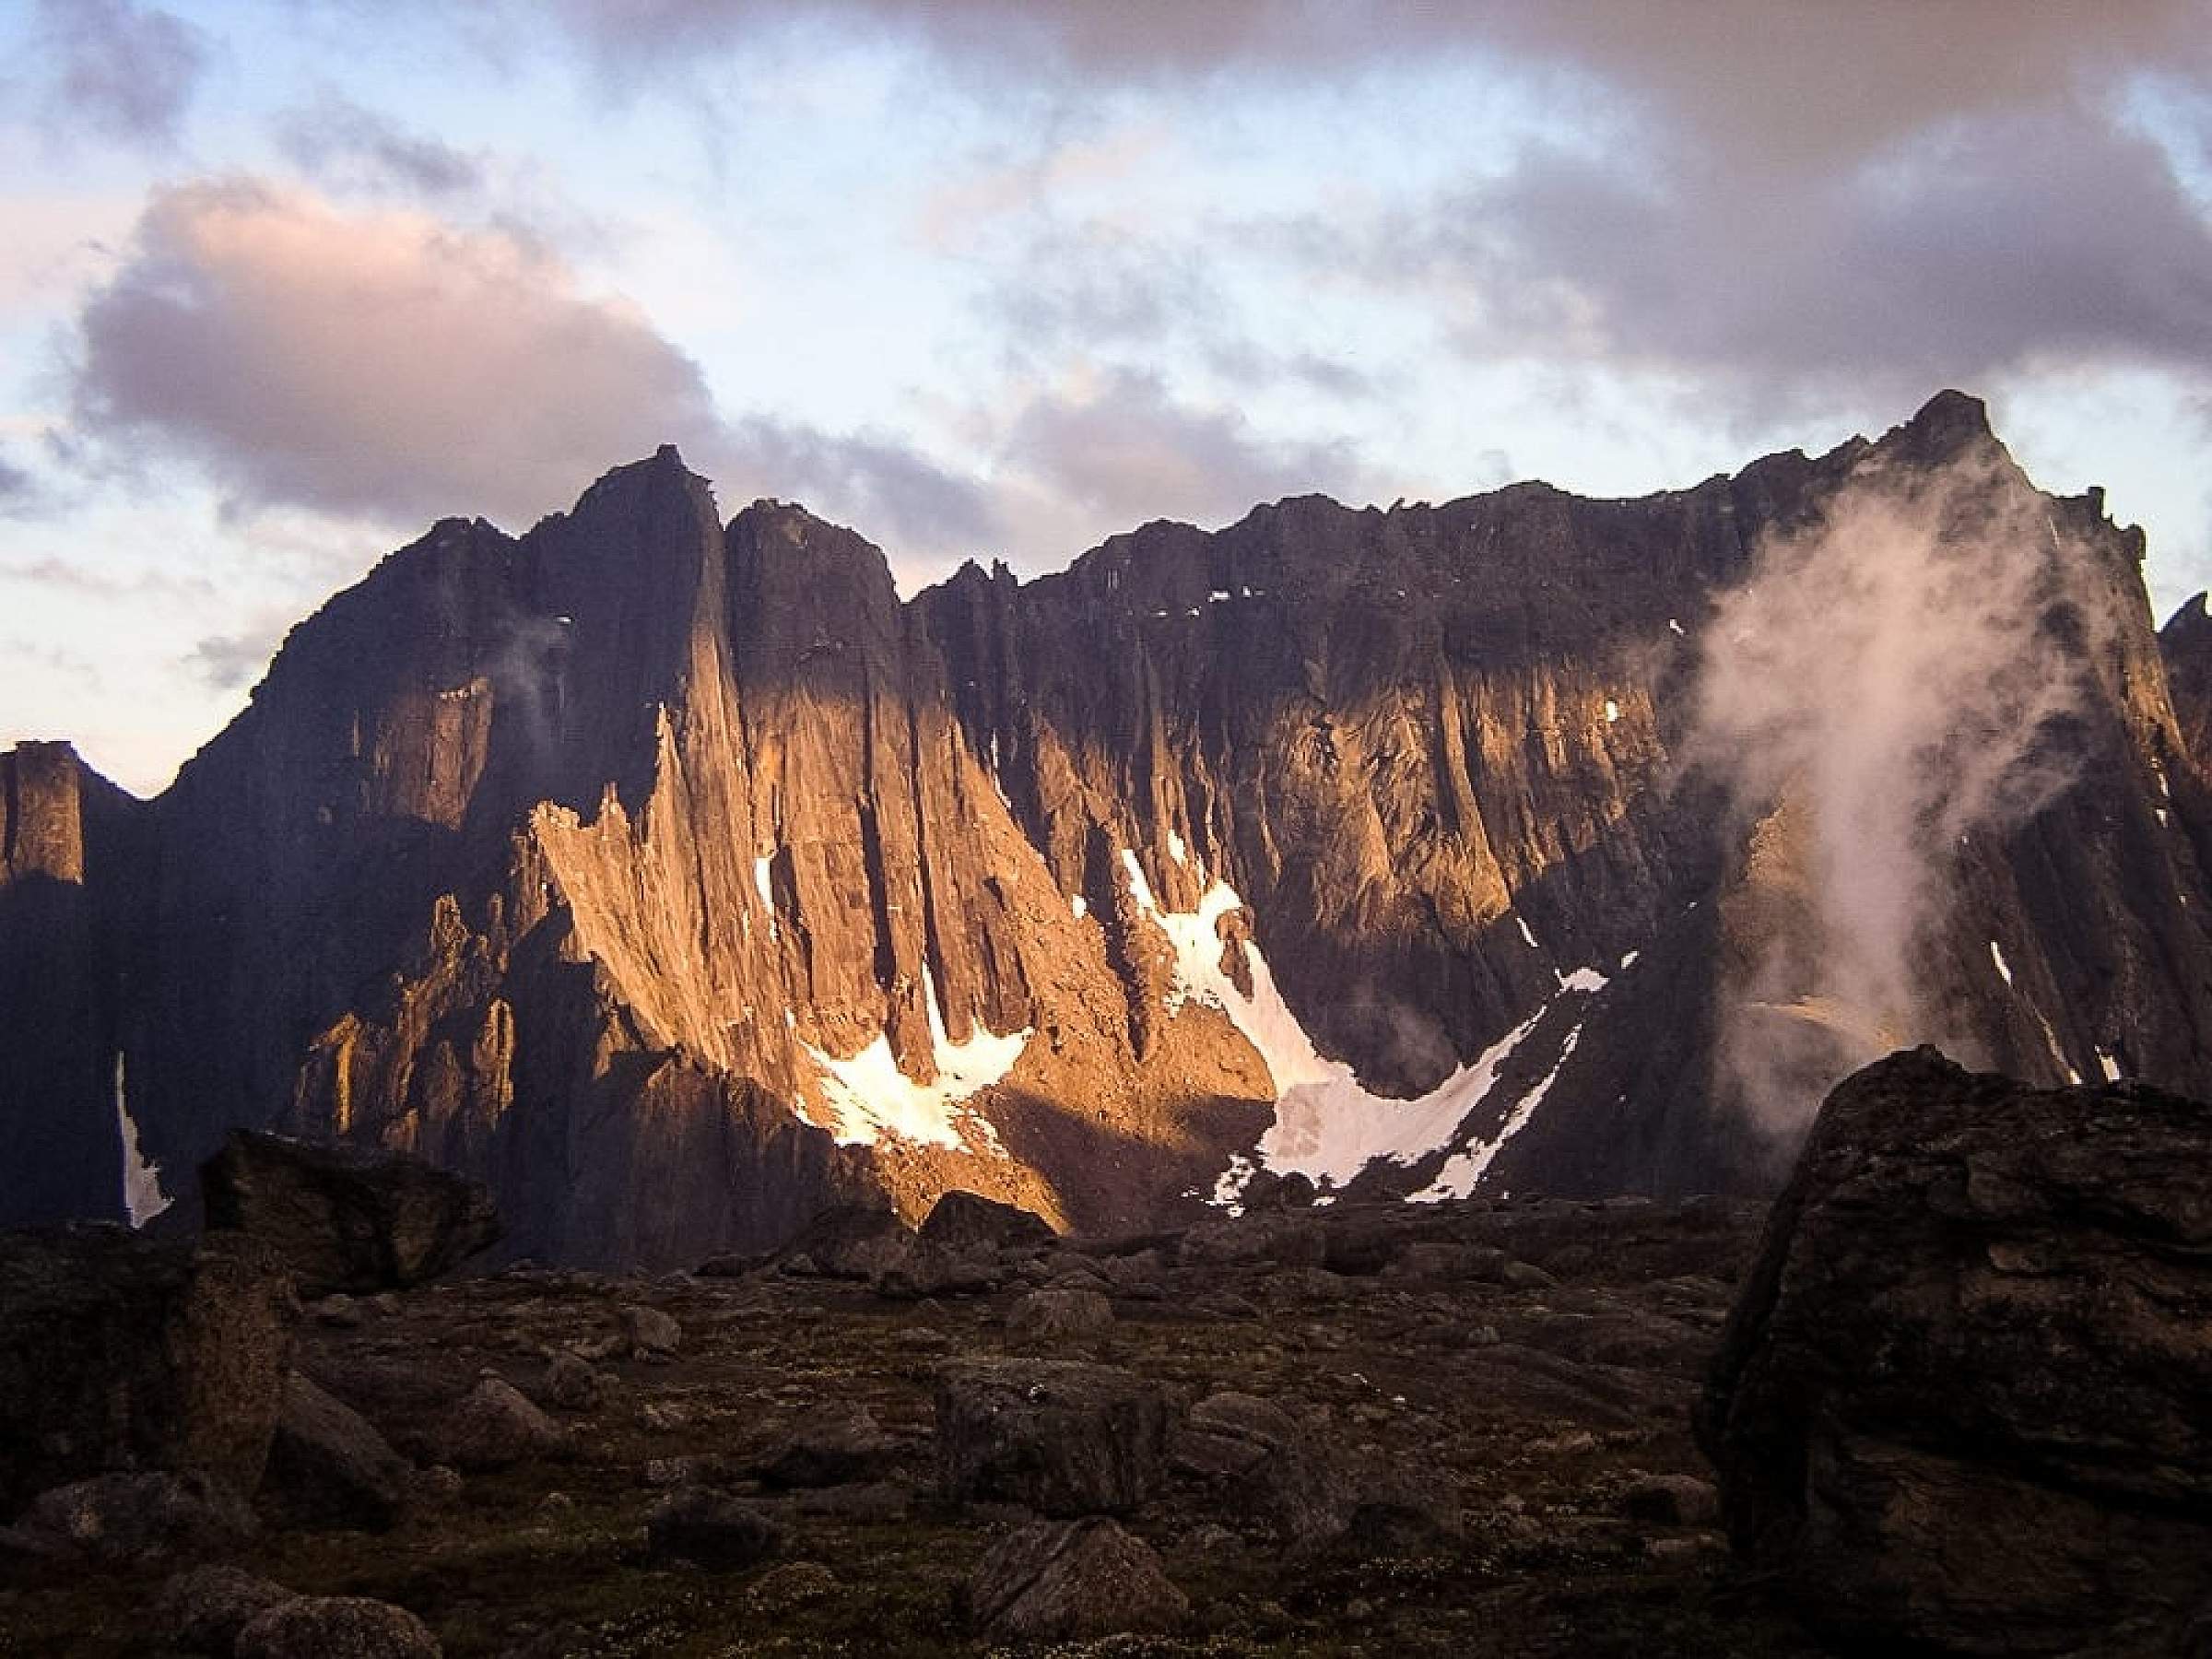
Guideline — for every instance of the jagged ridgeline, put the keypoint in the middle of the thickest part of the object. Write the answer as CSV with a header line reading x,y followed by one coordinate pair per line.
x,y
680,881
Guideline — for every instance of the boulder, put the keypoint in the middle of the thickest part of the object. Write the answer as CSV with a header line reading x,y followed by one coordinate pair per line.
x,y
966,1221
848,1242
1052,1318
202,1610
127,1517
344,1217
1071,1581
495,1426
337,1627
573,1384
119,1352
709,1529
1062,1437
1227,1434
834,1445
328,1466
1960,1401
653,1334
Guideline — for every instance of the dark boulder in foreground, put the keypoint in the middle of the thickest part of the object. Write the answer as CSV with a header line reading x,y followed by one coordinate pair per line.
x,y
328,1466
1071,1581
120,1353
961,1220
1961,1400
1064,1438
350,1218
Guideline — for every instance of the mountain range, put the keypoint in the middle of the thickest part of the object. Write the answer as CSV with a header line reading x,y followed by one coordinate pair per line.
x,y
680,880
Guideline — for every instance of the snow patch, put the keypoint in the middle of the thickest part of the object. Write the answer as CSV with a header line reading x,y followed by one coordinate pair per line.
x,y
1080,905
1628,961
2110,1067
1612,711
1997,954
868,1097
143,1198
1176,850
1530,937
1327,1127
764,883
1463,1171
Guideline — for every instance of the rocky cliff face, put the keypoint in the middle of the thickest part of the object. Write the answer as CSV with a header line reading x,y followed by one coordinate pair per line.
x,y
69,855
679,880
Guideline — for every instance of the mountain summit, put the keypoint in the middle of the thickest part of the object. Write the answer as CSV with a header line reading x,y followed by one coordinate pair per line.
x,y
678,879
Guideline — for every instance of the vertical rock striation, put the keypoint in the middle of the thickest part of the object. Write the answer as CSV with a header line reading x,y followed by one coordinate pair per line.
x,y
679,881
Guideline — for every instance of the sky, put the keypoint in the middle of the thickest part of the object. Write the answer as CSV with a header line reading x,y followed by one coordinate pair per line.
x,y
283,281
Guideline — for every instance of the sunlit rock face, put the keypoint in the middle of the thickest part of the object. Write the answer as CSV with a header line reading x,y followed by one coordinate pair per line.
x,y
679,880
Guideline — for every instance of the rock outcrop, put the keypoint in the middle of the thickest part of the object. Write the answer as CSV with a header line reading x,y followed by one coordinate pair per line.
x,y
677,881
119,1353
1961,1401
346,1219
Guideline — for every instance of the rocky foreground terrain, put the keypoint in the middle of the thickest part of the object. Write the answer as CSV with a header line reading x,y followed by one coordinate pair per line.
x,y
1951,1388
1453,1428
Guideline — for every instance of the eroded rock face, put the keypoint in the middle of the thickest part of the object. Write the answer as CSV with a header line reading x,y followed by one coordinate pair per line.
x,y
675,880
119,1353
346,1219
1961,1401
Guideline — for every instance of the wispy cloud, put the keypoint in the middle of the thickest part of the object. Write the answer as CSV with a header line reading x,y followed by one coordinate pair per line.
x,y
116,69
342,143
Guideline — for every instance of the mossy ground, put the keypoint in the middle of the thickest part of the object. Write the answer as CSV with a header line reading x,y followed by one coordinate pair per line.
x,y
1531,1409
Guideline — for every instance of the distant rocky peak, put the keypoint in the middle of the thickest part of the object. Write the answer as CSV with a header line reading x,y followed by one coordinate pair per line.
x,y
1950,427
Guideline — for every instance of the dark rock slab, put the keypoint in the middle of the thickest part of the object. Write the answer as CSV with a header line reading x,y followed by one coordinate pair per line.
x,y
709,1529
495,1426
962,1220
1062,1437
117,1352
1057,1318
123,1517
1961,1401
1071,1581
328,1466
831,1447
345,1217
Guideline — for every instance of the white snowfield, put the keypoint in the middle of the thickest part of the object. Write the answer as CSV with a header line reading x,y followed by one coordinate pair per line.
x,y
867,1097
1328,1126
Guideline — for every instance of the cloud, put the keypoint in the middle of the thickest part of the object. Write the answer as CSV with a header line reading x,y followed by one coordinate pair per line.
x,y
396,367
226,662
19,490
876,483
380,364
340,143
117,69
1802,79
1109,450
1971,252
62,575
